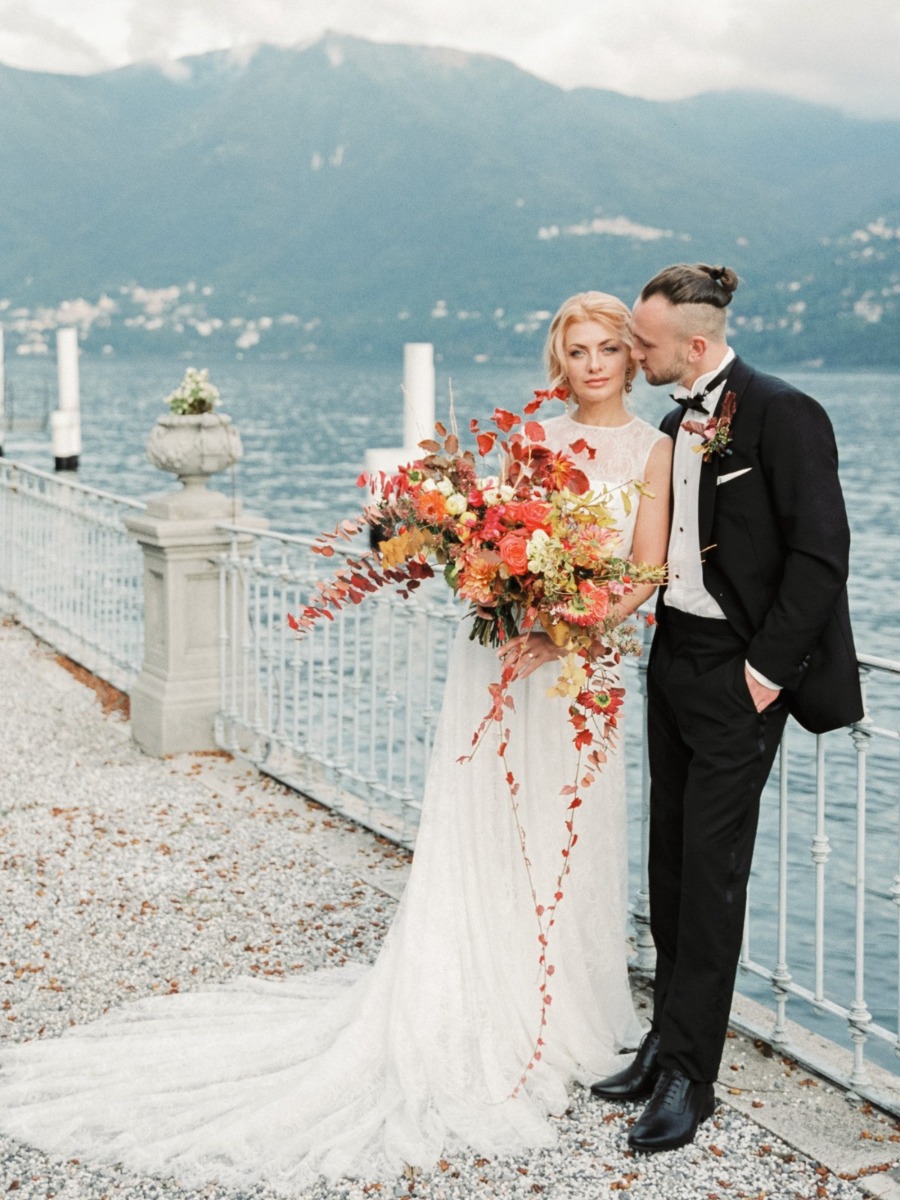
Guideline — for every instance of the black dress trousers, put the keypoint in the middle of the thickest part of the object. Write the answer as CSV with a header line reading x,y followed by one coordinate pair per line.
x,y
710,755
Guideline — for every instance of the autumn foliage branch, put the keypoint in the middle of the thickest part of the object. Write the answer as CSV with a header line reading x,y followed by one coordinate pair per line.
x,y
535,549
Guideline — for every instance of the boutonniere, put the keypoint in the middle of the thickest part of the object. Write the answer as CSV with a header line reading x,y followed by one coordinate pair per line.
x,y
715,431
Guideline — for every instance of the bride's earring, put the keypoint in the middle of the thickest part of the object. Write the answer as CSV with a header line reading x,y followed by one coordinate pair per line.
x,y
628,384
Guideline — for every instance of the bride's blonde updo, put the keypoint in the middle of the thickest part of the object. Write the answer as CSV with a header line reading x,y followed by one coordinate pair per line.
x,y
586,306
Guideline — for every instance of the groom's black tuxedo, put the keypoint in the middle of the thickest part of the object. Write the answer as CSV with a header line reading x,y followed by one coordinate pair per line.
x,y
775,543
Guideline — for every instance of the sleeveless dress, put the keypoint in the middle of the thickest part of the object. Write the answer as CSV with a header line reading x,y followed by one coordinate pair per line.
x,y
359,1071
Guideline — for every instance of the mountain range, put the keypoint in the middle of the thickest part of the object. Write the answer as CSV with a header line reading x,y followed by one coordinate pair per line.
x,y
345,197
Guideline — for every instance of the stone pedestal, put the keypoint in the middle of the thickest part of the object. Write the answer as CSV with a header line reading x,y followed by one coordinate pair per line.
x,y
176,695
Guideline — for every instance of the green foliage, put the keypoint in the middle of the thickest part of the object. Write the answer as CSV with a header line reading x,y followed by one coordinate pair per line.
x,y
194,395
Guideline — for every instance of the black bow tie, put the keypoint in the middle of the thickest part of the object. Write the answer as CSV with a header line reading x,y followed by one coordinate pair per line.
x,y
696,402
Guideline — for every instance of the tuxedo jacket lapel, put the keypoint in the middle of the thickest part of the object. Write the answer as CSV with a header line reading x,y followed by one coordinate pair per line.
x,y
736,382
706,498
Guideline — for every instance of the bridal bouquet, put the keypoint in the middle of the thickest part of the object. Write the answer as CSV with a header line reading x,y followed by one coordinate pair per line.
x,y
532,550
535,551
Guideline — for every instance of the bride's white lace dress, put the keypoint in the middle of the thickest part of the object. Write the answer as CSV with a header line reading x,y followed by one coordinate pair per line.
x,y
359,1071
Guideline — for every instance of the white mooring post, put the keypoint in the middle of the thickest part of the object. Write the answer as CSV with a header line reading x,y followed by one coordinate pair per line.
x,y
418,392
65,423
418,409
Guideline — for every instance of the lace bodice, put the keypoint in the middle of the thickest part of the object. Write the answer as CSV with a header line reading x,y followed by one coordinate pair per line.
x,y
620,457
620,452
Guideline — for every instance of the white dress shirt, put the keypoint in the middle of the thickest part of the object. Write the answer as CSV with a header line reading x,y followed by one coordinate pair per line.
x,y
685,589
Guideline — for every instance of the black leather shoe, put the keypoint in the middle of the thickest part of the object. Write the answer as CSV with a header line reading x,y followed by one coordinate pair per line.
x,y
676,1109
637,1080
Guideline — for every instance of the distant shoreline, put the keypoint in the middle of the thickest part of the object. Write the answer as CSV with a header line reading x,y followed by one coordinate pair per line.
x,y
392,359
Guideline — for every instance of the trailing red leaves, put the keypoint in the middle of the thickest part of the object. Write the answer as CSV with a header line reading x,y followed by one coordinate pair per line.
x,y
535,552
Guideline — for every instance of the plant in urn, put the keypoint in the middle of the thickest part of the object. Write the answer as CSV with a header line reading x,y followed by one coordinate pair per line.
x,y
193,441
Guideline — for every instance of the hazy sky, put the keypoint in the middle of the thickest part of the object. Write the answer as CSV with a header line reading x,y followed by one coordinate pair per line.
x,y
840,53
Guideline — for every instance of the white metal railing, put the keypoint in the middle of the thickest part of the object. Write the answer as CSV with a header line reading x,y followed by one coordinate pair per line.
x,y
827,908
824,894
346,714
70,571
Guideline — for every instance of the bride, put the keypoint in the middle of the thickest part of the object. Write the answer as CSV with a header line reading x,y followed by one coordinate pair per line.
x,y
360,1071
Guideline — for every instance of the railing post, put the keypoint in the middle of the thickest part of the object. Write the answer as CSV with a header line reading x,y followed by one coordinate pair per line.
x,y
859,1017
781,975
12,582
646,950
176,695
820,852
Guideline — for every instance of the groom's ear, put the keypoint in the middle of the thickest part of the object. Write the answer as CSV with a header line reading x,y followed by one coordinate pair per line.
x,y
697,347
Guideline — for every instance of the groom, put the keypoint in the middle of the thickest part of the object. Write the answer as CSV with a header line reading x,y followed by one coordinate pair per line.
x,y
752,625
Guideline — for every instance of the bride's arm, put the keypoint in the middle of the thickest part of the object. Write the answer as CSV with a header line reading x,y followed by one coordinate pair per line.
x,y
650,545
651,528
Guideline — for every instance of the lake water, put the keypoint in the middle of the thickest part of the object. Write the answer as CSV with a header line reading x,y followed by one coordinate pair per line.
x,y
305,431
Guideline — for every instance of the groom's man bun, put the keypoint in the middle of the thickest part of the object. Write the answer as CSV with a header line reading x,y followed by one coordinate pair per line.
x,y
700,294
693,283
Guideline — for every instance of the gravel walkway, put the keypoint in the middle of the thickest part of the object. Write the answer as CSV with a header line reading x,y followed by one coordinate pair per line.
x,y
124,876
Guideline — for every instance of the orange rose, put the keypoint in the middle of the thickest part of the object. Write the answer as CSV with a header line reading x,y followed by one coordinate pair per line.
x,y
514,552
533,514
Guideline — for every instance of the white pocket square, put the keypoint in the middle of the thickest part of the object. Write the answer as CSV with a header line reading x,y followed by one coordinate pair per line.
x,y
732,475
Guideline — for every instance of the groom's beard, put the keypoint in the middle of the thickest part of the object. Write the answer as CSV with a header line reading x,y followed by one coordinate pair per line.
x,y
672,372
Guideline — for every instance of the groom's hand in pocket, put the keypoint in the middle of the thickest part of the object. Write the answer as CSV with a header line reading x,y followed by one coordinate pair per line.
x,y
761,695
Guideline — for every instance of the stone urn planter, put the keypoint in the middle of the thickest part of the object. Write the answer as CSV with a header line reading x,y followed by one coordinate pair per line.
x,y
194,447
